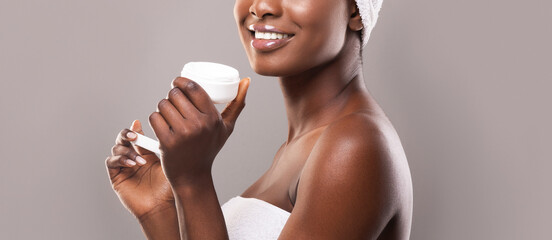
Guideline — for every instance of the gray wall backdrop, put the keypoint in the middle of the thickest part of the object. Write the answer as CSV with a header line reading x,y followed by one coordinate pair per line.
x,y
466,83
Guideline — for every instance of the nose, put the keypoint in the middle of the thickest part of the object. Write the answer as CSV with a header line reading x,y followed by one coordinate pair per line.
x,y
264,8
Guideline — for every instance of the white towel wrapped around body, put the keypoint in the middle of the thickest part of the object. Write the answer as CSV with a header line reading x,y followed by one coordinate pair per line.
x,y
253,219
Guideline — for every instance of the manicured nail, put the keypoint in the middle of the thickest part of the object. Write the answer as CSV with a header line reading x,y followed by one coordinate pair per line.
x,y
130,162
140,160
131,135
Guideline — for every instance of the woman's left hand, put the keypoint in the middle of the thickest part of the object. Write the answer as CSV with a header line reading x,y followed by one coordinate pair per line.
x,y
191,131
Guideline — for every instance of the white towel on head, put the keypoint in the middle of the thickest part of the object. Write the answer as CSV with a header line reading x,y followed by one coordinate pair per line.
x,y
369,11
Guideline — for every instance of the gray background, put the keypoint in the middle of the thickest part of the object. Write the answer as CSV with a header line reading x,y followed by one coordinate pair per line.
x,y
466,84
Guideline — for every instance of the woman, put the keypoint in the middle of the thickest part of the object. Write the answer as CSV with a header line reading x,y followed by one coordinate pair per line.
x,y
341,174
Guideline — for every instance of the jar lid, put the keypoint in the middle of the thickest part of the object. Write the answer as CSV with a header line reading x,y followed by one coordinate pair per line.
x,y
210,72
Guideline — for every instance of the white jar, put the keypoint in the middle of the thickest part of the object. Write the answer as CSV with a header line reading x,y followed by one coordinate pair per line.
x,y
219,81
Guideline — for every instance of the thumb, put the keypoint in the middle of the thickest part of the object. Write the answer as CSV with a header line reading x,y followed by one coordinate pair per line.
x,y
234,108
137,127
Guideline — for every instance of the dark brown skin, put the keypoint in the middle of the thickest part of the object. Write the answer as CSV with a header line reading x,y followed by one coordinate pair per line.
x,y
142,188
342,173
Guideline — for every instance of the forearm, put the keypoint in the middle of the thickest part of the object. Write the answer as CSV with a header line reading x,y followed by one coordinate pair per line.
x,y
199,212
161,224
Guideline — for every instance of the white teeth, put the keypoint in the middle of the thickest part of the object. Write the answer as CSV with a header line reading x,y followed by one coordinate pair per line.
x,y
270,35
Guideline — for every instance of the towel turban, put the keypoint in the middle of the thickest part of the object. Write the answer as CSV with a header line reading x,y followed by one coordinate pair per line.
x,y
369,10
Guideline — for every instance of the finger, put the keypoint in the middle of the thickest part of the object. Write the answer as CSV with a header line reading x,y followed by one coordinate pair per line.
x,y
115,163
181,102
160,127
196,94
125,137
129,152
137,127
234,108
170,114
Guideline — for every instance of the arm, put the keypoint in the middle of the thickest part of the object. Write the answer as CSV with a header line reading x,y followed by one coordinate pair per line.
x,y
161,224
348,189
191,132
199,212
137,178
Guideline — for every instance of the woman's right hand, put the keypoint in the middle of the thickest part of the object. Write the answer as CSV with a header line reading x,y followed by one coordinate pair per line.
x,y
137,177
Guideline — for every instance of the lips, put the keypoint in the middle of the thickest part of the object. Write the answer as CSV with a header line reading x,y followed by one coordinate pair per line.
x,y
266,38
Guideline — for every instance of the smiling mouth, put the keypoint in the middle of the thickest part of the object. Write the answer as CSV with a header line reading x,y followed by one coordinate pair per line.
x,y
267,32
270,35
267,38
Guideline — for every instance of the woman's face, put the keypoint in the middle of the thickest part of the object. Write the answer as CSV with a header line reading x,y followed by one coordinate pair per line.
x,y
288,37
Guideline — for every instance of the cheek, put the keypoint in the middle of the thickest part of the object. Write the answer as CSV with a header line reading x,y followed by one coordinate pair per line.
x,y
241,9
323,38
325,22
241,12
323,31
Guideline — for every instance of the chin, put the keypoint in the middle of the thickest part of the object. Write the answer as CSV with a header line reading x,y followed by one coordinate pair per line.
x,y
275,67
273,71
264,70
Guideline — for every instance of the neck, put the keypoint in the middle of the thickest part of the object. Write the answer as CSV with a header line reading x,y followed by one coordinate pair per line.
x,y
320,95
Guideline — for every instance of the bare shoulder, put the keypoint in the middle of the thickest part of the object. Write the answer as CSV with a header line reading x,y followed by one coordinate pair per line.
x,y
368,148
362,139
356,180
358,128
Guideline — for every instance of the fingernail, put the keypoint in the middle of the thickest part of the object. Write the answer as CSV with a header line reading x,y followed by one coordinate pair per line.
x,y
130,162
140,160
131,135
